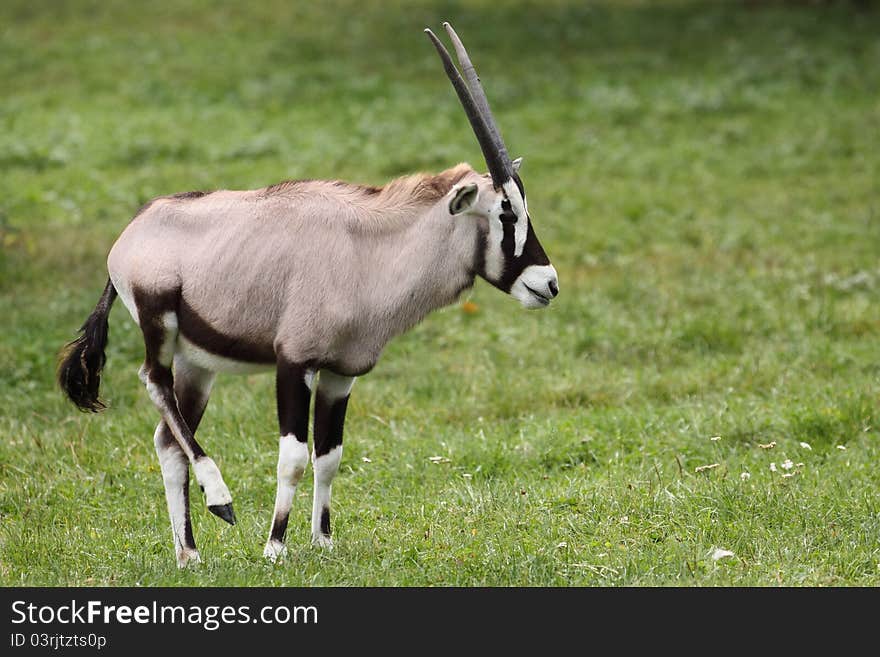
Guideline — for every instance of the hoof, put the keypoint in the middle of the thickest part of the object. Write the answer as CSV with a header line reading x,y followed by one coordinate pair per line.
x,y
275,551
188,557
223,511
322,541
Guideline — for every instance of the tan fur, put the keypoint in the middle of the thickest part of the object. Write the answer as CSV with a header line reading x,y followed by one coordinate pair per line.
x,y
416,188
318,271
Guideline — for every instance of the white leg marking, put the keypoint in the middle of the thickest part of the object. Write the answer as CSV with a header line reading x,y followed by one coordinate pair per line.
x,y
175,472
169,344
174,463
325,468
208,475
188,557
334,386
155,394
194,376
309,379
274,551
293,458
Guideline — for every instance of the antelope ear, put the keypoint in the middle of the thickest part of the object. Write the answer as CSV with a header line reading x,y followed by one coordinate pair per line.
x,y
464,198
517,163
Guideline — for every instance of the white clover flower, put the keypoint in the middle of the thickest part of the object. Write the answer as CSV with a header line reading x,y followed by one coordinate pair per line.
x,y
745,476
787,464
720,553
772,467
806,446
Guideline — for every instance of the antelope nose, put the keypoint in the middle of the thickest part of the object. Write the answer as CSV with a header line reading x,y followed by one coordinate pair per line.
x,y
554,288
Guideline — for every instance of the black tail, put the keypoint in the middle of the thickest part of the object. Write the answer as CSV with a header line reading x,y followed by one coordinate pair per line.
x,y
81,361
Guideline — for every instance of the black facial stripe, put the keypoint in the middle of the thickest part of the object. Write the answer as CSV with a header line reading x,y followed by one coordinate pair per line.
x,y
329,423
533,254
507,215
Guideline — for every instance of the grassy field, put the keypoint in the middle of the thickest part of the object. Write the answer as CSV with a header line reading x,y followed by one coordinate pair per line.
x,y
704,177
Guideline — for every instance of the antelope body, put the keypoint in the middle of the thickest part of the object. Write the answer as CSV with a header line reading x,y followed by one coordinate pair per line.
x,y
311,279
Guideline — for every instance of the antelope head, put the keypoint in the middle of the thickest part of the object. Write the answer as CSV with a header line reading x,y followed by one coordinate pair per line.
x,y
513,259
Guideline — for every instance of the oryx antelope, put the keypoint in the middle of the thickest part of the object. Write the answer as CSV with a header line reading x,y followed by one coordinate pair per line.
x,y
311,278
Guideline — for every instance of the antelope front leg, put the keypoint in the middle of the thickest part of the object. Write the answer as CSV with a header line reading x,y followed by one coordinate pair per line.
x,y
293,390
331,401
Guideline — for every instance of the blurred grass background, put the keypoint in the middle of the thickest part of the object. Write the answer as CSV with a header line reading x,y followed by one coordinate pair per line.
x,y
704,176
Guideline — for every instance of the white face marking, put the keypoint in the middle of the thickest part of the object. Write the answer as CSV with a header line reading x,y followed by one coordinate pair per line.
x,y
538,278
208,475
518,205
494,257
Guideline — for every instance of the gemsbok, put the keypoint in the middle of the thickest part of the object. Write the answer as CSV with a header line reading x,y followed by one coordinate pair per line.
x,y
311,278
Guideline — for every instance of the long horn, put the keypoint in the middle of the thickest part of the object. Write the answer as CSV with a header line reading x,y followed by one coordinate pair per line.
x,y
498,168
479,96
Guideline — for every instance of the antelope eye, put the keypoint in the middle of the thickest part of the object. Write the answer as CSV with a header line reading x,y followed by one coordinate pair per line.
x,y
507,216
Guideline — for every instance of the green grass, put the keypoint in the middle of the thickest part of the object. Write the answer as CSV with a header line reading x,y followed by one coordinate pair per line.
x,y
703,176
